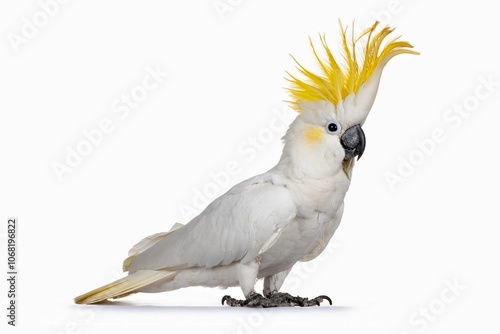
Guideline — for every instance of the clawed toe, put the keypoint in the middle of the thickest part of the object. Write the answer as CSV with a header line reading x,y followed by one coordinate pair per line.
x,y
230,301
254,300
285,299
319,299
323,297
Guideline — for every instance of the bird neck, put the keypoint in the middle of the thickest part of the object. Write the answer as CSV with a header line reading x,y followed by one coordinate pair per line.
x,y
313,192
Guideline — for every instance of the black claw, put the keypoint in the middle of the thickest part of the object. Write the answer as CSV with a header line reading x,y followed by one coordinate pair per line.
x,y
325,297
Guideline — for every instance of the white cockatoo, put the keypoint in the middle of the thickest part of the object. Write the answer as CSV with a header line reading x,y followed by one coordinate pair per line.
x,y
263,226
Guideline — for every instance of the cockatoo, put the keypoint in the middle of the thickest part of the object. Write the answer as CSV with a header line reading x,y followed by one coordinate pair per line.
x,y
263,226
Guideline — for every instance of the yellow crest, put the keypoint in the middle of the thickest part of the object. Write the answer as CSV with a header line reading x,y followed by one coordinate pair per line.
x,y
334,83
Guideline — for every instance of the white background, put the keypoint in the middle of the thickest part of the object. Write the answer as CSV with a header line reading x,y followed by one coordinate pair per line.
x,y
397,247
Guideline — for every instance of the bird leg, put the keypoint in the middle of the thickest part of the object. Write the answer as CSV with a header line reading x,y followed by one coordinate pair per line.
x,y
274,299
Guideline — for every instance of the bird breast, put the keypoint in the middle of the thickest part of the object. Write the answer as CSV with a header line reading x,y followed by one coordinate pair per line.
x,y
318,203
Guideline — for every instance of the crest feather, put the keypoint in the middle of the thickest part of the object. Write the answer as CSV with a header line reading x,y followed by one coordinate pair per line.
x,y
335,82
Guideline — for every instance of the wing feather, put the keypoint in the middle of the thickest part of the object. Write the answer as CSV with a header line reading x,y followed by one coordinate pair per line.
x,y
238,226
146,243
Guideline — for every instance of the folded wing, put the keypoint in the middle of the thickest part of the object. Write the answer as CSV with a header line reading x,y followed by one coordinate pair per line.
x,y
238,226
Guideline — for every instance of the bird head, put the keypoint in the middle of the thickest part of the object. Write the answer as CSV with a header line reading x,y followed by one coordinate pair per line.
x,y
334,103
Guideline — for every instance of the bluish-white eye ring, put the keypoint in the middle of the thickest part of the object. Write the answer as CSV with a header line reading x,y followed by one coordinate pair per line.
x,y
333,128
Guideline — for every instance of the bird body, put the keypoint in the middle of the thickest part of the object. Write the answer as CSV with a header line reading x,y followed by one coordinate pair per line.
x,y
263,226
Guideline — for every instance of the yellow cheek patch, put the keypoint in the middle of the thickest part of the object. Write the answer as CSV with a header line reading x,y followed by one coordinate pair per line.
x,y
314,134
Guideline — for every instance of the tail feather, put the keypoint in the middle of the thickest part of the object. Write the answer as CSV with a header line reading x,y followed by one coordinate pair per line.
x,y
124,286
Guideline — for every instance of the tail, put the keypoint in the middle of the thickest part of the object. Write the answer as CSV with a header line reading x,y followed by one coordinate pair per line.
x,y
124,286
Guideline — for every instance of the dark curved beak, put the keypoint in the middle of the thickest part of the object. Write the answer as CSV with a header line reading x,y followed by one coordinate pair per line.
x,y
353,141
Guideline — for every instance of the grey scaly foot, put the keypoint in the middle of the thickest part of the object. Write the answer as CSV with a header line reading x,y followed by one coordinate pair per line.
x,y
286,299
274,299
254,300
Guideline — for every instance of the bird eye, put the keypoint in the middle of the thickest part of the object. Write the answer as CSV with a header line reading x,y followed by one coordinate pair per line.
x,y
333,128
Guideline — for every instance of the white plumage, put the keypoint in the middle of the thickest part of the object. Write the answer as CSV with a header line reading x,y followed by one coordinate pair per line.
x,y
263,226
259,228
